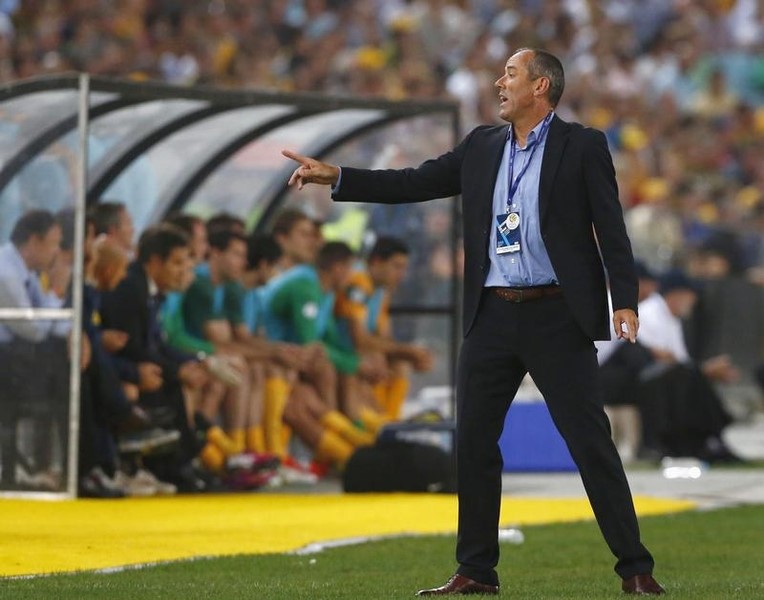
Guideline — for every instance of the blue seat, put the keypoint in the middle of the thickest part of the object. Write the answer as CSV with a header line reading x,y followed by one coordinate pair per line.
x,y
530,441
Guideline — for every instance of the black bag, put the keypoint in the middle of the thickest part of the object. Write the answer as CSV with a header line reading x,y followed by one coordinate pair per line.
x,y
400,467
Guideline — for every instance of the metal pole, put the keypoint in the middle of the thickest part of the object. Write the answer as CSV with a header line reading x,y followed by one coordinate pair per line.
x,y
77,282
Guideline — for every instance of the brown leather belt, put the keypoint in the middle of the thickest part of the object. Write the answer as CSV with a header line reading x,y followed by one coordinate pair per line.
x,y
517,295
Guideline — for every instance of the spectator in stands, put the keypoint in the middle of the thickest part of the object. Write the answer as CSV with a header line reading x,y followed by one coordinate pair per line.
x,y
362,309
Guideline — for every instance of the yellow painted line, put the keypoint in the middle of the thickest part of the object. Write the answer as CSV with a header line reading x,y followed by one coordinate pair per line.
x,y
46,537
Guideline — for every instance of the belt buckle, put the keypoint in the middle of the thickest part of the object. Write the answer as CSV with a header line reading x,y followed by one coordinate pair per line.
x,y
519,296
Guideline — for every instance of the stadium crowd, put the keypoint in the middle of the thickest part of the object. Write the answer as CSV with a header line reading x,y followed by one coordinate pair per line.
x,y
678,87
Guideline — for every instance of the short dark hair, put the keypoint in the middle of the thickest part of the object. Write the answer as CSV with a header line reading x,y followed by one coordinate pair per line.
x,y
184,221
160,240
332,253
106,215
65,218
287,219
220,239
546,64
262,247
34,222
226,222
386,247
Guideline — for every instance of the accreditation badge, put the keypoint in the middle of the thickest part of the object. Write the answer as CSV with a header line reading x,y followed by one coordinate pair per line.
x,y
508,233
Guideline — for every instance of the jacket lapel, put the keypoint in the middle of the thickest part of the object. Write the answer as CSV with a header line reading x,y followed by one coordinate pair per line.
x,y
555,144
494,150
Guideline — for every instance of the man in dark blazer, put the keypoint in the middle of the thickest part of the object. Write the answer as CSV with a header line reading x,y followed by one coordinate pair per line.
x,y
146,359
534,300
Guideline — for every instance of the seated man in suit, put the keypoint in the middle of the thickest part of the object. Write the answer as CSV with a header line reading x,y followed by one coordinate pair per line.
x,y
160,372
32,252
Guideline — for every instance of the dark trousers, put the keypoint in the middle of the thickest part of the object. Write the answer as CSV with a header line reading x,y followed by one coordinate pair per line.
x,y
540,337
680,411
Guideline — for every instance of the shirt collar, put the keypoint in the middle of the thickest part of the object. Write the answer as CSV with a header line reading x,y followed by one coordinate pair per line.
x,y
153,288
18,262
535,132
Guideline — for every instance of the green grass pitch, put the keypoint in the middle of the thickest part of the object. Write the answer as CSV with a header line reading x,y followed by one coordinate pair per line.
x,y
712,555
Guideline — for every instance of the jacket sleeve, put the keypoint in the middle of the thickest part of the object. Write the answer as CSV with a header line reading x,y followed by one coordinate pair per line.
x,y
607,215
435,178
121,310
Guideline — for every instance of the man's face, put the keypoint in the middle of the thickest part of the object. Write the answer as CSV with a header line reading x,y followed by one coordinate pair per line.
x,y
647,287
300,243
45,249
233,260
389,273
515,87
681,302
171,274
124,231
340,273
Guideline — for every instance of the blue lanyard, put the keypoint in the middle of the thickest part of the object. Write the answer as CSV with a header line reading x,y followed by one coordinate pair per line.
x,y
512,186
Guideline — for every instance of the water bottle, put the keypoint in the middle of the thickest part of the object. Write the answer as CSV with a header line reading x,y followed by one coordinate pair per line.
x,y
511,535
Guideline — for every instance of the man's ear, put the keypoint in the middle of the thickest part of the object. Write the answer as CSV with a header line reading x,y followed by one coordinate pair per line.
x,y
541,86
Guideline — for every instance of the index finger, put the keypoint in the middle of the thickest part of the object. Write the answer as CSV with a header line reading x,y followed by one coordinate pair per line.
x,y
303,160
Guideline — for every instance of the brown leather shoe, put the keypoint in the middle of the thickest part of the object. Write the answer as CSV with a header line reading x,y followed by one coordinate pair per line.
x,y
459,584
642,584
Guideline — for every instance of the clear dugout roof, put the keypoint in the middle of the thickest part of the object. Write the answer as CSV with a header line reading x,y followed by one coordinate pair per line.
x,y
188,136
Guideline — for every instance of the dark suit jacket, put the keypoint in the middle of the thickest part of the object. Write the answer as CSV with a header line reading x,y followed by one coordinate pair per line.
x,y
578,194
128,308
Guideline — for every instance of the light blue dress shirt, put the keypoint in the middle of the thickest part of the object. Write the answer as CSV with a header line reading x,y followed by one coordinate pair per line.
x,y
531,265
20,288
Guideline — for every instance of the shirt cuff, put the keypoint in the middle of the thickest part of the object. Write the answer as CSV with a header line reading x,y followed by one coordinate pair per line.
x,y
336,186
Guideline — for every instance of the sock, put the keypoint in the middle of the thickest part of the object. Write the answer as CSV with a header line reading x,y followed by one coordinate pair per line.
x,y
212,457
340,424
256,439
286,437
217,436
397,390
238,436
381,395
276,394
373,421
331,447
